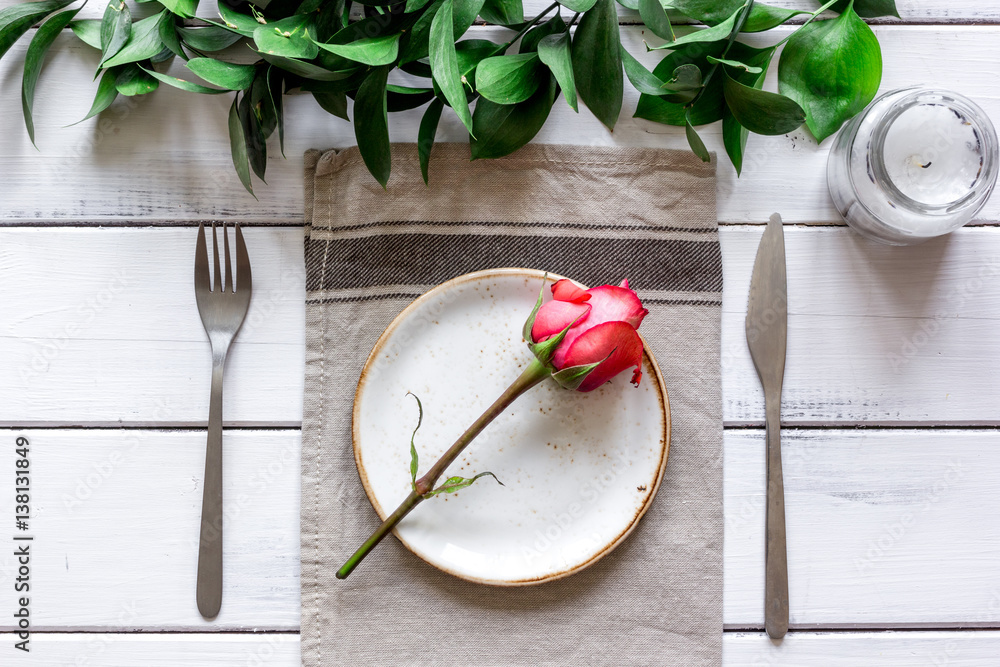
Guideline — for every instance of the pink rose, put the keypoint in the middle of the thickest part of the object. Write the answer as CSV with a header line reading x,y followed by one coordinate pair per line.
x,y
604,321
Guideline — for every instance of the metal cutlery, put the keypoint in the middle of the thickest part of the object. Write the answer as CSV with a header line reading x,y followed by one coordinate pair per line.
x,y
767,329
223,306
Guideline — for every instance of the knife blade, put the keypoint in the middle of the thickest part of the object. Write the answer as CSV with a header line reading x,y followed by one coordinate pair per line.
x,y
767,333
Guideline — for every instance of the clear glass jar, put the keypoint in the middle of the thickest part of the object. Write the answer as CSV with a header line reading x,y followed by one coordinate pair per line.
x,y
915,164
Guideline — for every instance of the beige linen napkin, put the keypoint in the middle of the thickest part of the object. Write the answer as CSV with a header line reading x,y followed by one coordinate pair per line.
x,y
597,215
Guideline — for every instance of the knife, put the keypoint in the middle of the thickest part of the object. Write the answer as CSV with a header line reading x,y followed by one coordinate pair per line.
x,y
767,330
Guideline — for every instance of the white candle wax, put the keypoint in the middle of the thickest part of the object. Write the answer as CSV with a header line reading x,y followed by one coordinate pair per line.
x,y
933,154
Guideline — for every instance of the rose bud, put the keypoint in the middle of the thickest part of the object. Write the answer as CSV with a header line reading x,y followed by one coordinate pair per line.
x,y
588,336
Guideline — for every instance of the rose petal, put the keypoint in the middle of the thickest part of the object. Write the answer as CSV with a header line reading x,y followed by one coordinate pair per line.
x,y
617,339
610,303
566,290
555,316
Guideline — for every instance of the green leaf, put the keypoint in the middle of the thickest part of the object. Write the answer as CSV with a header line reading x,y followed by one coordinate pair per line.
x,y
371,124
572,377
508,79
227,75
500,129
709,12
544,350
642,79
717,32
88,31
414,459
760,111
532,38
143,42
765,17
182,84
170,38
333,103
133,80
116,26
253,134
238,146
503,12
33,59
291,37
869,9
597,62
470,53
307,70
682,88
655,17
579,5
710,104
454,484
555,52
832,69
16,19
733,63
687,80
402,98
530,322
372,51
426,133
464,14
697,145
209,38
444,64
734,135
236,21
275,79
106,94
183,8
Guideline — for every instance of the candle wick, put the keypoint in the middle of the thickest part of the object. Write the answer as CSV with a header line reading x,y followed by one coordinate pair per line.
x,y
924,166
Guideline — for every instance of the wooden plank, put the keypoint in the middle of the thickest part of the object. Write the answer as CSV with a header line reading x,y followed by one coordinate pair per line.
x,y
98,323
798,649
116,520
885,527
910,11
875,334
100,327
165,157
156,650
851,649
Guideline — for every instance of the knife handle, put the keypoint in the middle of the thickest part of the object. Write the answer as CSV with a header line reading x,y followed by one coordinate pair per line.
x,y
776,560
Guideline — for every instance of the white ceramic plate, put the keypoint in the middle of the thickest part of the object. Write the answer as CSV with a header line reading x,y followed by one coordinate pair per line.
x,y
579,470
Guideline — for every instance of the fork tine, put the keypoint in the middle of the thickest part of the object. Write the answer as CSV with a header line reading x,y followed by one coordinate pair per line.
x,y
229,270
243,276
201,278
218,273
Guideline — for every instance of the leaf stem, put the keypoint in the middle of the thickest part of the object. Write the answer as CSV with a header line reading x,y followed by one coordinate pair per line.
x,y
737,26
532,22
532,375
810,20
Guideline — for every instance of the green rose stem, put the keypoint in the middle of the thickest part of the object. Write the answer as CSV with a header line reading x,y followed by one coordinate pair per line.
x,y
532,375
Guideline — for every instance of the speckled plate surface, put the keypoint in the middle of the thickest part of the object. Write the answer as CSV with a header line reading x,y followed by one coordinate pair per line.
x,y
579,470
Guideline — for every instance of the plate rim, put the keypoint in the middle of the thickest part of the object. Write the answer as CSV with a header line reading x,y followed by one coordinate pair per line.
x,y
356,440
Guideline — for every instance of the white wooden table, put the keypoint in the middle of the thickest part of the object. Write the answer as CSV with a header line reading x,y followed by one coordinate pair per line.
x,y
891,403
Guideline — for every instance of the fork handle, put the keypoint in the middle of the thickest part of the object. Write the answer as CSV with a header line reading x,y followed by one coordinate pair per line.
x,y
775,557
210,548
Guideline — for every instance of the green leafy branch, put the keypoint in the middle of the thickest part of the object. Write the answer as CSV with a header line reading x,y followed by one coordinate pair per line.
x,y
502,92
450,485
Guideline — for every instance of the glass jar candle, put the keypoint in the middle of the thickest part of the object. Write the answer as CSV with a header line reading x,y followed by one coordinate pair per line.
x,y
915,164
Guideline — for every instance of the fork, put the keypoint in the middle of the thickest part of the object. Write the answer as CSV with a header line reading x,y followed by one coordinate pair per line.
x,y
222,308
